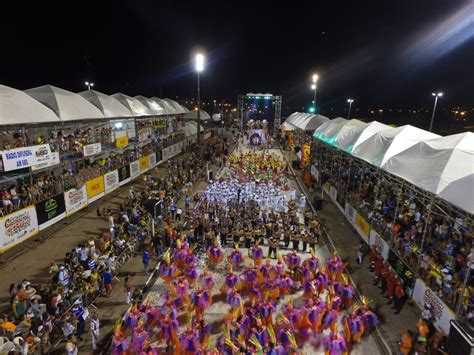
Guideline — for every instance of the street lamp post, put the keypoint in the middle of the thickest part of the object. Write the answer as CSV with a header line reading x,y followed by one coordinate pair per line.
x,y
199,69
314,87
439,94
350,101
89,85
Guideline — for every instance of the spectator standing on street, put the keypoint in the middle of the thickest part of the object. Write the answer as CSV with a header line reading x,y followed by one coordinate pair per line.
x,y
179,212
71,345
107,279
399,296
146,261
127,289
95,330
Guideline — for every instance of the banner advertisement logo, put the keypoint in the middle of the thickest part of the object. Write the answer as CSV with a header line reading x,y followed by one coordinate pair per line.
x,y
17,227
75,200
111,181
143,164
26,157
92,149
95,189
50,211
121,142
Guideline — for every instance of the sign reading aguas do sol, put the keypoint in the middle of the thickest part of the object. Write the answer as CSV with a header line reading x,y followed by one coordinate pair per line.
x,y
17,227
26,157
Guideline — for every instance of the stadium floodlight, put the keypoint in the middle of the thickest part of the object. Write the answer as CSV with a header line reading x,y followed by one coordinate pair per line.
x,y
436,96
350,101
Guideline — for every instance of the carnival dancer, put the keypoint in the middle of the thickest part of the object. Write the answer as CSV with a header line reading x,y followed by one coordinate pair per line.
x,y
169,331
168,271
215,254
201,300
206,280
334,343
292,314
312,314
249,277
312,263
334,267
230,281
256,254
353,328
189,340
330,317
191,274
345,290
182,289
235,258
369,318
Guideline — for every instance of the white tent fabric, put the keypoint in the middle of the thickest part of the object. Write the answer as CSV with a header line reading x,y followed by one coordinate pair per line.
x,y
443,166
287,126
134,105
335,129
192,115
351,138
169,107
294,117
155,107
312,122
109,105
321,129
298,121
166,107
17,108
190,129
66,104
385,144
291,117
178,108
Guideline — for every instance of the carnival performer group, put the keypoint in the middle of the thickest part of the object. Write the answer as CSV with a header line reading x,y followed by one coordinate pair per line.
x,y
279,303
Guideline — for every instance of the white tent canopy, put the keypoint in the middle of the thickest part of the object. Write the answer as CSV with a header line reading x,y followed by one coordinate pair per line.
x,y
66,104
190,129
443,166
177,107
349,139
385,144
134,105
155,107
17,108
167,110
312,122
109,105
322,129
192,115
287,126
333,130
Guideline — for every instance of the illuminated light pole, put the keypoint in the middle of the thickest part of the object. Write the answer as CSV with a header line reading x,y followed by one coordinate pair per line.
x,y
350,101
436,96
314,87
89,85
199,68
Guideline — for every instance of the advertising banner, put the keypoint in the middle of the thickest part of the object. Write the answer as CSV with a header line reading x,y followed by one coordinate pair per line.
x,y
134,169
95,189
350,213
442,314
152,160
75,200
26,157
315,172
363,226
92,149
50,211
121,142
305,155
332,193
402,269
291,139
124,174
144,164
382,246
17,227
54,161
111,181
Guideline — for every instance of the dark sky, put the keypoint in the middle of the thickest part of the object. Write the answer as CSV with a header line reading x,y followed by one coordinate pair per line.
x,y
379,52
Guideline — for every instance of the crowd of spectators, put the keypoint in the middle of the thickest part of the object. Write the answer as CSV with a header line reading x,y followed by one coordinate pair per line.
x,y
437,247
41,186
45,314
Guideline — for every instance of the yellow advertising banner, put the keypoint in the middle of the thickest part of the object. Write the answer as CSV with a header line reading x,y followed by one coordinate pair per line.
x,y
363,225
144,163
95,187
305,154
121,142
291,139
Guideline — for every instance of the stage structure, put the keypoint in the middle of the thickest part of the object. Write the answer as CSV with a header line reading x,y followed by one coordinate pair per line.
x,y
259,107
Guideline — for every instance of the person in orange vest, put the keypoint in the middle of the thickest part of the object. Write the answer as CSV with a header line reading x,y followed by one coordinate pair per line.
x,y
378,269
406,342
383,277
390,286
398,296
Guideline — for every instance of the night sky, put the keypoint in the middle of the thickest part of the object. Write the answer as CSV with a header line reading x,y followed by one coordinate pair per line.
x,y
382,53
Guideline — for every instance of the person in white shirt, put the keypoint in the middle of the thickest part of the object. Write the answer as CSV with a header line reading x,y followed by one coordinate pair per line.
x,y
95,330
